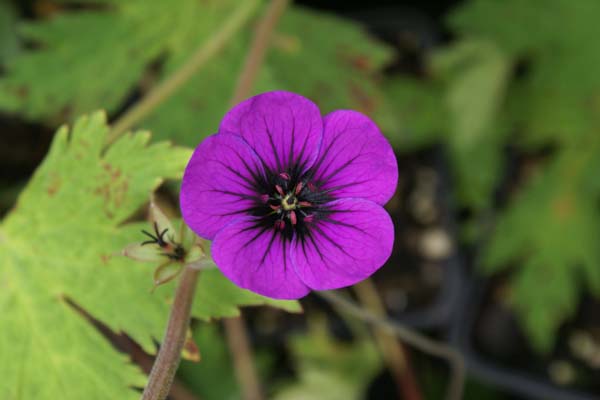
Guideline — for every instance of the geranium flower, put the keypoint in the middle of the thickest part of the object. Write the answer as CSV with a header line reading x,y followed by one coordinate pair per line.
x,y
292,200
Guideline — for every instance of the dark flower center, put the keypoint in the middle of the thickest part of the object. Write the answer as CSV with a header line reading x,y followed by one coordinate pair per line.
x,y
289,203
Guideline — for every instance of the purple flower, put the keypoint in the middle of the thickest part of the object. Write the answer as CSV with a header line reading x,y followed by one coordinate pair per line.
x,y
292,200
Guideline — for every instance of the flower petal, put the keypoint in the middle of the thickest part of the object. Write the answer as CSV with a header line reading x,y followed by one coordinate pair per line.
x,y
219,184
355,159
257,259
344,247
284,129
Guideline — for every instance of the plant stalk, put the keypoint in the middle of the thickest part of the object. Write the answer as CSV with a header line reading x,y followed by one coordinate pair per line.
x,y
198,59
243,359
169,355
409,336
391,349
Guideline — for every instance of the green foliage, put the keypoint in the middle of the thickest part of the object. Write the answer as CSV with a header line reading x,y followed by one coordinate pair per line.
x,y
475,74
108,52
213,378
421,112
557,98
58,248
336,70
555,102
329,369
552,228
94,59
9,43
498,85
459,107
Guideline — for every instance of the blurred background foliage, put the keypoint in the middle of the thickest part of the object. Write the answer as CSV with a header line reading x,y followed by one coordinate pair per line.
x,y
509,91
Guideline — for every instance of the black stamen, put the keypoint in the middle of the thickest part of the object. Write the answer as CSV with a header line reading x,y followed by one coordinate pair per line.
x,y
172,250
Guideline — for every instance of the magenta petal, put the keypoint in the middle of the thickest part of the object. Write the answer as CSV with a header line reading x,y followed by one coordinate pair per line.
x,y
256,258
355,159
344,247
218,184
284,129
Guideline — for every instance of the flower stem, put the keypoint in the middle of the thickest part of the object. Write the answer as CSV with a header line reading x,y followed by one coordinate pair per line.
x,y
409,336
258,49
198,59
243,359
391,349
169,355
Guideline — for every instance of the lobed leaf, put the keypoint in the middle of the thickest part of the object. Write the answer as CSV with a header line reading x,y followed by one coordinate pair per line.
x,y
58,247
551,230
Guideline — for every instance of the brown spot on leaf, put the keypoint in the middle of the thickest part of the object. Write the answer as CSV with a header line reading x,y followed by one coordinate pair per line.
x,y
22,92
113,188
360,62
54,185
563,207
113,172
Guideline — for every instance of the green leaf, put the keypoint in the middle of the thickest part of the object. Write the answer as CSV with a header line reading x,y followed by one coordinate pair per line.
x,y
476,73
196,110
214,377
58,247
332,61
336,71
550,228
9,43
109,51
218,297
557,101
105,50
550,232
460,106
329,369
420,112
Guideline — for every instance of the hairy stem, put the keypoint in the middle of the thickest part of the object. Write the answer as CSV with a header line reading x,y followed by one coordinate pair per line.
x,y
169,355
199,58
413,338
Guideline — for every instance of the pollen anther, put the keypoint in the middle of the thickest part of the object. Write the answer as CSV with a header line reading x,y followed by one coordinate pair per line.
x,y
279,190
